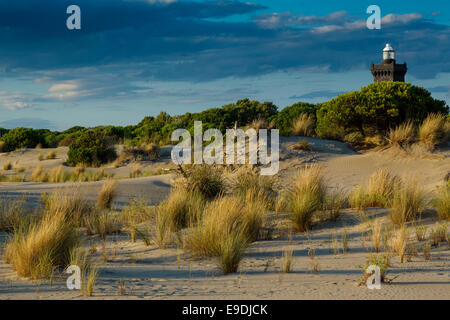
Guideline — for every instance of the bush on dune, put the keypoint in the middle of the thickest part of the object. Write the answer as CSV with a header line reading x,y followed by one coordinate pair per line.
x,y
90,149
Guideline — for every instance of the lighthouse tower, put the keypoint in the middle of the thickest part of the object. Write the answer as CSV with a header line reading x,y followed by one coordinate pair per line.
x,y
388,70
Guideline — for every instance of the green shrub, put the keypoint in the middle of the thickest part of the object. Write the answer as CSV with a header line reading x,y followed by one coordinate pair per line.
x,y
21,138
285,119
90,149
375,108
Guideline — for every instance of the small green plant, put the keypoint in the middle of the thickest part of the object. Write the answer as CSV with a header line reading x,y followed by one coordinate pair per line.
x,y
381,261
421,232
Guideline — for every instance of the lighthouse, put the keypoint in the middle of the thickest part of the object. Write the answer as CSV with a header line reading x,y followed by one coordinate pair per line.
x,y
388,70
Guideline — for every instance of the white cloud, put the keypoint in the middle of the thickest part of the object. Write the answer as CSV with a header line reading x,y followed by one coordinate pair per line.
x,y
14,100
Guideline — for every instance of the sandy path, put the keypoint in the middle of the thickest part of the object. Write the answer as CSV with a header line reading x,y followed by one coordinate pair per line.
x,y
153,189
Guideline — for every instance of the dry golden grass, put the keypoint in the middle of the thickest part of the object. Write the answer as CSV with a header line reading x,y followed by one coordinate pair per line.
x,y
40,157
70,203
376,235
51,155
39,174
7,166
421,233
433,130
102,223
302,145
182,209
381,187
36,251
259,124
287,260
2,146
306,196
107,194
399,243
14,215
221,218
402,135
443,203
248,180
303,125
206,179
231,250
408,201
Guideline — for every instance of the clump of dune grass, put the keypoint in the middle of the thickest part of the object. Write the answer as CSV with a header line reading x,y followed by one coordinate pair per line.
x,y
182,209
402,135
408,202
433,130
359,199
306,196
137,211
381,187
421,232
58,174
399,243
107,194
221,218
206,179
2,146
287,260
40,157
259,124
249,180
302,145
376,235
443,203
303,125
231,250
39,174
89,272
51,155
37,250
102,223
71,203
438,234
7,166
378,192
333,204
14,215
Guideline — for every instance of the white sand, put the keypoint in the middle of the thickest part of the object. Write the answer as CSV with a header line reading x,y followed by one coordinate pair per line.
x,y
152,273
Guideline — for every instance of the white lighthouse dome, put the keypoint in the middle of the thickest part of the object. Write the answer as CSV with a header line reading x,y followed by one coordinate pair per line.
x,y
388,52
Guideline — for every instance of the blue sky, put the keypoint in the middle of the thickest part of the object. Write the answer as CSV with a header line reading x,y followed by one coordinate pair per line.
x,y
134,58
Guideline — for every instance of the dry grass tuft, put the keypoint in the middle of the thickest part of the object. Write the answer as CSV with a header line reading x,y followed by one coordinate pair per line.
x,y
302,145
231,250
7,166
39,174
224,216
306,196
286,263
248,180
107,194
2,146
433,131
206,179
70,203
402,135
36,251
51,155
376,235
443,203
303,125
399,243
408,202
